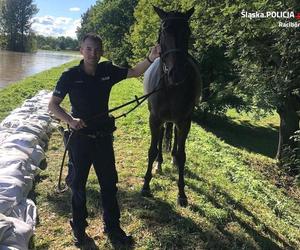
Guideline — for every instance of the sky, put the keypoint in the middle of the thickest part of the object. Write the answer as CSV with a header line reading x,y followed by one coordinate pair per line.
x,y
59,17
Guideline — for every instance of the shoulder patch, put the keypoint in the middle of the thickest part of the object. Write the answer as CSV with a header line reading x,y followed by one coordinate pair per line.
x,y
105,78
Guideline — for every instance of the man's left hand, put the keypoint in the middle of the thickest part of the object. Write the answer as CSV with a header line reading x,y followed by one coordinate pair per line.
x,y
155,52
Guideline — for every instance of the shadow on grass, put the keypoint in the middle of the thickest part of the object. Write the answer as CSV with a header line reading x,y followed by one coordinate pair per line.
x,y
256,139
171,230
234,210
61,202
168,229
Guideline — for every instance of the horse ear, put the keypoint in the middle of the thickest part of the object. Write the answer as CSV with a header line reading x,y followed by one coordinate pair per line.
x,y
160,12
190,12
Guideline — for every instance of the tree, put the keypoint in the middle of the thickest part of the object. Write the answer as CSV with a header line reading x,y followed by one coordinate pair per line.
x,y
268,61
16,22
111,19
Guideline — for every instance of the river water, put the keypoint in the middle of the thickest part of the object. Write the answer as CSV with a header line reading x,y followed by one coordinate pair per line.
x,y
15,66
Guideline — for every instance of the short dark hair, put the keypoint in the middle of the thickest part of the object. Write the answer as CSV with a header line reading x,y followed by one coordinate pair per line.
x,y
94,37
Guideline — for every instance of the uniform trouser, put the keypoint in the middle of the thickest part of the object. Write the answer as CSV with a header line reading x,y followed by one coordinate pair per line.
x,y
86,151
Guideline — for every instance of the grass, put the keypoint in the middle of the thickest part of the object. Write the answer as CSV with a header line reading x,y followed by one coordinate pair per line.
x,y
238,198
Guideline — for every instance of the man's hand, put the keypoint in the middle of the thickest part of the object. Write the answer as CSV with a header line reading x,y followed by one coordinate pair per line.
x,y
77,124
155,52
142,66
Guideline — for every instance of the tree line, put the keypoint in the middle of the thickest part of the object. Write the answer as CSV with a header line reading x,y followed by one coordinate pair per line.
x,y
56,43
251,64
16,33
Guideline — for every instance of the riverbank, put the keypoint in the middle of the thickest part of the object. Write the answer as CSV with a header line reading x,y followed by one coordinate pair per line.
x,y
14,94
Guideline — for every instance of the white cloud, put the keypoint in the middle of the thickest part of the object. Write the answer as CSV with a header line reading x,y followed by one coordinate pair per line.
x,y
55,26
74,9
72,31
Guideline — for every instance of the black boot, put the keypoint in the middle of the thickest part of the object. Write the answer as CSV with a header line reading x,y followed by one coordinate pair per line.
x,y
79,234
116,234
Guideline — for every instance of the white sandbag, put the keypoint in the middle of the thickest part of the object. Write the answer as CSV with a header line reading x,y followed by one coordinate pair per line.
x,y
6,228
27,184
10,145
15,169
8,248
37,124
24,109
38,131
42,117
17,236
23,135
23,139
12,193
7,204
11,155
36,154
4,133
33,169
25,211
14,121
11,186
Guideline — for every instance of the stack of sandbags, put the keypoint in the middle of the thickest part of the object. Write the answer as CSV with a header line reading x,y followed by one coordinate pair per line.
x,y
23,137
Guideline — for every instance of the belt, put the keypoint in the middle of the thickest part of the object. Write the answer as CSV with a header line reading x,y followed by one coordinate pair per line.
x,y
94,135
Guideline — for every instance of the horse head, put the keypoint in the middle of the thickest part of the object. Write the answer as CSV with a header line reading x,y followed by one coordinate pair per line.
x,y
173,38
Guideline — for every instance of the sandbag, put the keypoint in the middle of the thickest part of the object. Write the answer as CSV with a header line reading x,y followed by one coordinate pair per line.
x,y
23,136
16,234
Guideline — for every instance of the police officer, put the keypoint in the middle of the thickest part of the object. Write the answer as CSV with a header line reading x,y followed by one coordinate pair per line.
x,y
88,86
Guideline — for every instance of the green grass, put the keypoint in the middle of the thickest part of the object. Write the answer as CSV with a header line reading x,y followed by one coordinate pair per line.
x,y
245,131
238,198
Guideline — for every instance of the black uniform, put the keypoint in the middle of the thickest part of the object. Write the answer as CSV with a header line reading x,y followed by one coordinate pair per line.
x,y
89,96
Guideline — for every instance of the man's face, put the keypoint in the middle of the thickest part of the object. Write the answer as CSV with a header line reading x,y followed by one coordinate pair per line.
x,y
91,51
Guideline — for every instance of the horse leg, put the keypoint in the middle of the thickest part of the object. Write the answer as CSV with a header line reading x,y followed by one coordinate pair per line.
x,y
152,153
169,130
159,159
182,130
174,149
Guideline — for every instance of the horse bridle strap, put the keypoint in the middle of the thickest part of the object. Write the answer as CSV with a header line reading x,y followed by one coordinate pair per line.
x,y
170,51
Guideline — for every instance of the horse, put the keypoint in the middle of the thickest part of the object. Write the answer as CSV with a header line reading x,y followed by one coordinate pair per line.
x,y
176,80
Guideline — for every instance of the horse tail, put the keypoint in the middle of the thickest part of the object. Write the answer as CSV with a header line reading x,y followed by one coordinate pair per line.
x,y
168,136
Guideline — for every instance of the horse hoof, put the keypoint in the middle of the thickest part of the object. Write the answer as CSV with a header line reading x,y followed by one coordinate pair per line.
x,y
183,202
146,193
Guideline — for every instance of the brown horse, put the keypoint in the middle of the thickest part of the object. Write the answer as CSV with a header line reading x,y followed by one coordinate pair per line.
x,y
177,77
